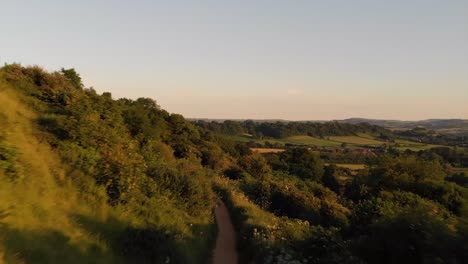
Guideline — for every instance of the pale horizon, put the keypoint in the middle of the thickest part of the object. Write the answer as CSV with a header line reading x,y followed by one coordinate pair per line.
x,y
326,60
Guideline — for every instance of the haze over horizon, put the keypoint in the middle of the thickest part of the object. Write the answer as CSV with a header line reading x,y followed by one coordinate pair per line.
x,y
320,60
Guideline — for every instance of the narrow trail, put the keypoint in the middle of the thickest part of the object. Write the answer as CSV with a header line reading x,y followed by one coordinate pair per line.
x,y
225,251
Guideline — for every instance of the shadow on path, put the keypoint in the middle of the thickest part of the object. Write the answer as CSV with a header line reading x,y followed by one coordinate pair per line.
x,y
225,251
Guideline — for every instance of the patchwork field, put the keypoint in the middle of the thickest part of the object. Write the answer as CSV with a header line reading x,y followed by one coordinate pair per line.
x,y
267,150
244,138
360,140
357,140
307,140
414,146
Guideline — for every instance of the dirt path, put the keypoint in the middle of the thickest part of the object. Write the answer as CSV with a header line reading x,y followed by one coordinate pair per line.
x,y
225,250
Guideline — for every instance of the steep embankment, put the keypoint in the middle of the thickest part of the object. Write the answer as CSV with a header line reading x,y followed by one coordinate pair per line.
x,y
85,178
38,206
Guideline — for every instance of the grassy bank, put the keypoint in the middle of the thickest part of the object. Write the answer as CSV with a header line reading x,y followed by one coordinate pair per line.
x,y
51,213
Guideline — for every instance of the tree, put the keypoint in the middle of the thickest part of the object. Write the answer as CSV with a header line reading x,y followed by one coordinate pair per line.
x,y
256,166
411,236
329,178
73,77
303,163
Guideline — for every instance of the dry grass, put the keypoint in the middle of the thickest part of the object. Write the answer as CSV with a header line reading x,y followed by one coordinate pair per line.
x,y
267,150
351,166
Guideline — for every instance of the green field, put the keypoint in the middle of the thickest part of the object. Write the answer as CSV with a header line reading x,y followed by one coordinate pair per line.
x,y
298,140
307,140
357,140
360,140
369,136
244,138
414,146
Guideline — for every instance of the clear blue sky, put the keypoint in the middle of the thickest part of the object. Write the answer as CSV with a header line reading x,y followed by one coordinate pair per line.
x,y
329,59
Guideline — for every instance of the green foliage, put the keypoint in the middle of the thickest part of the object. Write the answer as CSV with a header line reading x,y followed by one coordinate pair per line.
x,y
289,196
300,162
459,178
327,246
108,181
448,194
267,238
73,77
425,178
256,166
330,179
88,179
367,212
409,167
145,120
410,236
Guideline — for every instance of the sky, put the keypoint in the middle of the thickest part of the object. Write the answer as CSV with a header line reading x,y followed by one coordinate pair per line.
x,y
252,59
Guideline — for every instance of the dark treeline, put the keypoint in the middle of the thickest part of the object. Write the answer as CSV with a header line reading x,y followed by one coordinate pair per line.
x,y
424,135
456,157
286,129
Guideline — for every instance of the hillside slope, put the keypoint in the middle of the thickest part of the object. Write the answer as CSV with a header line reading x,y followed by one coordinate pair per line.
x,y
38,204
84,198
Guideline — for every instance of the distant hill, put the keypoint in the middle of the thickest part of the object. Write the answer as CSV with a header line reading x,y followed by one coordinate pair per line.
x,y
221,120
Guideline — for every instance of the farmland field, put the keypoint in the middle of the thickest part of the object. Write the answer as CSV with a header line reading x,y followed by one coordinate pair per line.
x,y
267,150
299,140
336,141
351,166
358,140
307,140
414,146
